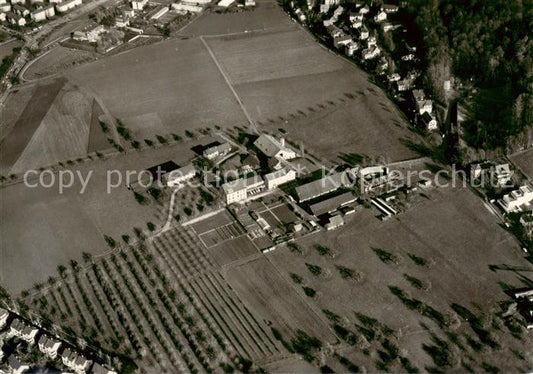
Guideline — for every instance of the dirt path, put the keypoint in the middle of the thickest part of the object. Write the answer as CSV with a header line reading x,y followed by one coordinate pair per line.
x,y
250,120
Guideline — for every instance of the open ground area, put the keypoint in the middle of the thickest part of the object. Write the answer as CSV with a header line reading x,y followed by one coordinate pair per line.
x,y
168,93
524,161
245,257
57,60
47,228
54,126
458,247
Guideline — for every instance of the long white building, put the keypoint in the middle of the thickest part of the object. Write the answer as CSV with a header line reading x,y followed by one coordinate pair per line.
x,y
518,200
279,177
238,190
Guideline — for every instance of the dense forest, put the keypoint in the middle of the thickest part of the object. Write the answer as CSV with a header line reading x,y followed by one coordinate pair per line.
x,y
486,45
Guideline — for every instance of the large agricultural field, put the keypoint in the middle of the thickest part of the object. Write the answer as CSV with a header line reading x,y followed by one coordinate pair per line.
x,y
57,60
276,76
49,123
47,228
266,16
415,275
138,273
169,92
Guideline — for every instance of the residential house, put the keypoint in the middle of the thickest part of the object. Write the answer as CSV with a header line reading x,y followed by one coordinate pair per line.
x,y
380,17
225,3
424,106
240,189
4,314
475,171
408,57
334,31
371,42
138,4
356,16
394,77
279,177
68,5
15,366
301,16
177,177
49,11
501,174
518,200
219,150
99,369
428,122
390,27
390,8
365,9
5,8
24,331
364,33
20,10
74,361
38,15
48,346
370,53
342,41
324,8
128,12
271,147
404,84
357,24
13,2
351,48
121,22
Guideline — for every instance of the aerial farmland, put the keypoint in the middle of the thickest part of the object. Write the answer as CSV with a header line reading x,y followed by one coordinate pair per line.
x,y
251,186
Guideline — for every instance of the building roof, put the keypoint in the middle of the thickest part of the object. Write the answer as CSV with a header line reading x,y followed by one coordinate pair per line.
x,y
502,169
332,204
389,7
15,364
319,187
3,313
99,369
183,171
17,325
165,167
219,148
277,174
241,184
418,94
270,146
335,221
